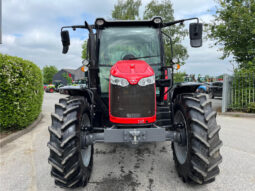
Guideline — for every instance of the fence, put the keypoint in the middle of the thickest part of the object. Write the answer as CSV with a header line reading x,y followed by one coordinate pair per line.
x,y
239,93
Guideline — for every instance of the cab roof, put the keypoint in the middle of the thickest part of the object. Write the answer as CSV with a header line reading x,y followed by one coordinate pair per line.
x,y
154,22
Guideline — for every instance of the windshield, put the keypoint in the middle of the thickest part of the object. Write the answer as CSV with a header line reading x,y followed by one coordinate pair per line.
x,y
118,43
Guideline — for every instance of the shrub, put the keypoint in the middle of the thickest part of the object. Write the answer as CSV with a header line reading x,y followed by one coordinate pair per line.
x,y
179,77
21,92
251,107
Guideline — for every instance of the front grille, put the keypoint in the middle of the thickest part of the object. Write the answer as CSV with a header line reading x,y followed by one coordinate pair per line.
x,y
132,101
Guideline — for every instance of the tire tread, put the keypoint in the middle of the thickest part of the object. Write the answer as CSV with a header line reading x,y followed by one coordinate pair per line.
x,y
205,142
64,154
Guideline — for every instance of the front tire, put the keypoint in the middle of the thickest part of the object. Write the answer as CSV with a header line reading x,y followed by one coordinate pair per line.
x,y
197,160
71,164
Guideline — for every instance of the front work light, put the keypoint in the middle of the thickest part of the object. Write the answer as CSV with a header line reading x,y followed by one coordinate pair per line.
x,y
147,81
119,81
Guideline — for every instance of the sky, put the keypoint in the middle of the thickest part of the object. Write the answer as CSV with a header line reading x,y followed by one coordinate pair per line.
x,y
31,30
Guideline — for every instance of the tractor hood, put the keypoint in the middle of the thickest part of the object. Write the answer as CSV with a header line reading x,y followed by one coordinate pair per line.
x,y
132,70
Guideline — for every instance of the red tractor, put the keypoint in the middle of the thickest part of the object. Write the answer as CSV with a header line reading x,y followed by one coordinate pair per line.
x,y
130,98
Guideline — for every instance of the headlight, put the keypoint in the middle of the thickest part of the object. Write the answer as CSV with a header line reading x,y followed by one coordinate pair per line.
x,y
119,81
147,81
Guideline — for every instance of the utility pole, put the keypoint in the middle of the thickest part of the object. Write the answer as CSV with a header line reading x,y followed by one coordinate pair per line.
x,y
0,21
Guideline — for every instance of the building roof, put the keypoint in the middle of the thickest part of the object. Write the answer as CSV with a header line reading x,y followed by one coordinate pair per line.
x,y
78,74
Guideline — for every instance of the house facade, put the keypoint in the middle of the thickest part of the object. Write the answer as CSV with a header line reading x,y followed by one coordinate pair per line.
x,y
62,75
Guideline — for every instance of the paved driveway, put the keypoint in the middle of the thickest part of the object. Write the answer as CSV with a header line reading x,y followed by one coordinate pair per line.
x,y
24,166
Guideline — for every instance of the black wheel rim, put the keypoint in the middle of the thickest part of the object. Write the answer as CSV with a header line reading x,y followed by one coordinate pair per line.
x,y
181,150
85,151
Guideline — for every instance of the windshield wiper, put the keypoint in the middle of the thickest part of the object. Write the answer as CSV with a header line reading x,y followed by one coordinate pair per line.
x,y
135,58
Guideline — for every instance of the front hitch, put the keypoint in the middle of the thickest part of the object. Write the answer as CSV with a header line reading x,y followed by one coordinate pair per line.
x,y
131,136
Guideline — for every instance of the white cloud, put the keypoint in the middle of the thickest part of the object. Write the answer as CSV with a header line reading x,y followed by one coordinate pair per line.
x,y
184,8
9,39
206,60
206,18
31,29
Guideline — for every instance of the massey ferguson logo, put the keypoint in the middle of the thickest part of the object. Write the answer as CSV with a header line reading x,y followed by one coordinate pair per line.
x,y
133,81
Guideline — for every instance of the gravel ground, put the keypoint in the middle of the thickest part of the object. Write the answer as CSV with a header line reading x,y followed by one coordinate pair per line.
x,y
24,166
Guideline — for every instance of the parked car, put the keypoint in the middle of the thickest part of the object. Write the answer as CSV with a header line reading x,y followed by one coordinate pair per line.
x,y
215,90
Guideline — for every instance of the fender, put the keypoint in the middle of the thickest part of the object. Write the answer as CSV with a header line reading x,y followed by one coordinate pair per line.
x,y
81,90
92,97
180,88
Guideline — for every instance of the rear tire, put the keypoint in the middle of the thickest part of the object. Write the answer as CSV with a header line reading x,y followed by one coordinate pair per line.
x,y
71,165
197,161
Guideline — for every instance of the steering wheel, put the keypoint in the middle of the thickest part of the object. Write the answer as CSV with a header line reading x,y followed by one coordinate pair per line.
x,y
128,57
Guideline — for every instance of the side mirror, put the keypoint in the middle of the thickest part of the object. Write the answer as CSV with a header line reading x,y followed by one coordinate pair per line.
x,y
195,34
65,41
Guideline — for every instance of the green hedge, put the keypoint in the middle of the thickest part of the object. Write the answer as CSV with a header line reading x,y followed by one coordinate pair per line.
x,y
21,92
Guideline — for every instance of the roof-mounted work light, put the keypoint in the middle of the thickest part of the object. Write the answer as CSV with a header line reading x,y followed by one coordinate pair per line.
x,y
100,22
157,20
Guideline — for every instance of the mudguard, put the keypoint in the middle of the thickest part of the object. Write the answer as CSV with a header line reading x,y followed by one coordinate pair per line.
x,y
81,90
91,96
180,88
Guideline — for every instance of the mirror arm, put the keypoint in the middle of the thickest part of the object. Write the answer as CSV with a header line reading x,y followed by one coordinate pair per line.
x,y
74,27
179,21
171,42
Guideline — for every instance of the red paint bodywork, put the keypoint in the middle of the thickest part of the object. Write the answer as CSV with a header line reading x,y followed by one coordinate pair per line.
x,y
166,88
132,71
123,120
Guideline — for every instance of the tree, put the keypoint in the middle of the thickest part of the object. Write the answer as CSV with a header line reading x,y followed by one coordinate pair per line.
x,y
48,73
176,32
179,77
126,10
234,30
84,50
68,78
